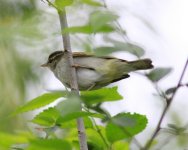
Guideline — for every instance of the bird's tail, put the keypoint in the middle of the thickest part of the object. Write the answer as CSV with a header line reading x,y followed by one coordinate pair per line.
x,y
142,64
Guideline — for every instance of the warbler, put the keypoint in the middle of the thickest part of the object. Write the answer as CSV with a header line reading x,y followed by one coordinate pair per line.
x,y
93,72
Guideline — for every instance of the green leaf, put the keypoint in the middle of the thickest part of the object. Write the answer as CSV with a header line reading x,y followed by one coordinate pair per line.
x,y
47,117
134,49
104,50
120,145
91,2
49,144
71,109
128,47
72,123
94,139
103,29
101,95
88,122
86,29
40,101
70,105
157,74
51,117
99,20
63,3
75,115
125,125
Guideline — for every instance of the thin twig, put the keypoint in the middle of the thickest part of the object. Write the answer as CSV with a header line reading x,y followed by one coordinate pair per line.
x,y
185,84
160,93
73,76
97,128
169,101
99,132
51,4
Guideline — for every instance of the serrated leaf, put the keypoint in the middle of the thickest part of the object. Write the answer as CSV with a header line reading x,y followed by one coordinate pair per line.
x,y
101,95
158,73
63,3
40,101
125,125
47,117
49,144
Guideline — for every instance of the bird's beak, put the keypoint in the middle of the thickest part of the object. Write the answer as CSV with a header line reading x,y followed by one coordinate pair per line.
x,y
44,65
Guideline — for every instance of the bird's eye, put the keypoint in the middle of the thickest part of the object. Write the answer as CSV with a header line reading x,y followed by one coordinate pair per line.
x,y
50,61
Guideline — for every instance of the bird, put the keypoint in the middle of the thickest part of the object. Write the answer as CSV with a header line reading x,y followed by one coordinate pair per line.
x,y
93,72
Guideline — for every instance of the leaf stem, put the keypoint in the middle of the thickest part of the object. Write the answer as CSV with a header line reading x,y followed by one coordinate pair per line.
x,y
99,132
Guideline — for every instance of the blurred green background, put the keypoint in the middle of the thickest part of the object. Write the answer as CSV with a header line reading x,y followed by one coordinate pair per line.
x,y
19,34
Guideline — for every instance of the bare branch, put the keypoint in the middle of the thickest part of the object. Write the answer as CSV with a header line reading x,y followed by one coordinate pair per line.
x,y
169,101
73,78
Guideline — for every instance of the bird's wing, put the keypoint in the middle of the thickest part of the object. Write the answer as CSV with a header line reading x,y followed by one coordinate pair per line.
x,y
120,78
82,54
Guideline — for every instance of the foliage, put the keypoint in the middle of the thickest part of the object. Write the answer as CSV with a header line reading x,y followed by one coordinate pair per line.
x,y
124,125
158,73
18,31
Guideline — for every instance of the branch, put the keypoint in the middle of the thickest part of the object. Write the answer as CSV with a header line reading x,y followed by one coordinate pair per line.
x,y
73,76
169,101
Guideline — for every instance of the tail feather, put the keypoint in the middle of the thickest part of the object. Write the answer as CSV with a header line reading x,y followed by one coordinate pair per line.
x,y
142,64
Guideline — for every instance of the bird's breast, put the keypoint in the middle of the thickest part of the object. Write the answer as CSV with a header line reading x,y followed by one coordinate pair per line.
x,y
85,77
